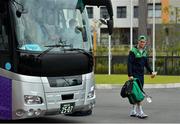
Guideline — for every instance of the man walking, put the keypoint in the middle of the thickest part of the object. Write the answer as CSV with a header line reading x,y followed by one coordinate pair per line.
x,y
137,60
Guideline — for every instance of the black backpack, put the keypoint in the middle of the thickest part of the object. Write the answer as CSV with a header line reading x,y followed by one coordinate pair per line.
x,y
126,88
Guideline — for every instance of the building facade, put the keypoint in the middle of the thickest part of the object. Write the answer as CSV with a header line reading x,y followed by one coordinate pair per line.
x,y
167,13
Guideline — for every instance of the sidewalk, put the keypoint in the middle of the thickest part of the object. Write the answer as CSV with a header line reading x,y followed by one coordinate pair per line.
x,y
115,86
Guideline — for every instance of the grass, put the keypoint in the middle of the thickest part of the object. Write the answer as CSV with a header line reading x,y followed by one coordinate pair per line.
x,y
120,79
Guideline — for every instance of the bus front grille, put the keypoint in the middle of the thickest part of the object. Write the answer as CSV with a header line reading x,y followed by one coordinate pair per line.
x,y
67,96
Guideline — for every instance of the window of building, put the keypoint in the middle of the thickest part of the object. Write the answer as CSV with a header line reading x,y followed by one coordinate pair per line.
x,y
104,37
103,12
136,13
90,12
157,10
120,36
121,12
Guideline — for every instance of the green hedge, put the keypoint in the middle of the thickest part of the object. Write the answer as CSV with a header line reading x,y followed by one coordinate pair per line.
x,y
101,69
120,68
116,69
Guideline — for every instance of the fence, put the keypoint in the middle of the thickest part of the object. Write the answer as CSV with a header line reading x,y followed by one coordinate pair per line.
x,y
165,65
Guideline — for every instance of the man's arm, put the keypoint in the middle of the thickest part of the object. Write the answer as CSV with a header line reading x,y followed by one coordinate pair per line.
x,y
153,74
148,66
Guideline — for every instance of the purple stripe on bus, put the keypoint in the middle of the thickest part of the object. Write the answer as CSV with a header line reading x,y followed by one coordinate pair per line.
x,y
5,98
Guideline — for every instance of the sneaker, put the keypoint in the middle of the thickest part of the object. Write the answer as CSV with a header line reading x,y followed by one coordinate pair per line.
x,y
133,113
142,115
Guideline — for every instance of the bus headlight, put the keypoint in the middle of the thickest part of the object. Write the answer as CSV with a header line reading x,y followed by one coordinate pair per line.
x,y
37,112
20,112
91,92
30,112
29,99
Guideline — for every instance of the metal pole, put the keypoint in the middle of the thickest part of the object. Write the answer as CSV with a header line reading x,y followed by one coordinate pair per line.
x,y
109,56
94,37
131,27
154,50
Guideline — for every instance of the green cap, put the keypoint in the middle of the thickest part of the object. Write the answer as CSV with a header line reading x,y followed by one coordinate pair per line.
x,y
142,37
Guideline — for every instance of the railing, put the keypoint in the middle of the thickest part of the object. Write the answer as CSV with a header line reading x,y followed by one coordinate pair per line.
x,y
165,65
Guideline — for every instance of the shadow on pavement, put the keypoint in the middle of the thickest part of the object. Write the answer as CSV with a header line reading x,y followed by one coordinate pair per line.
x,y
41,120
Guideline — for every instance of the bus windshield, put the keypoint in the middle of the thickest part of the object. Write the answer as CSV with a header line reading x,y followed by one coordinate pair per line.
x,y
45,23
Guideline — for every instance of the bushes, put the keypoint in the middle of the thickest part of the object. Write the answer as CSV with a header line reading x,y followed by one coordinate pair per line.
x,y
164,65
120,68
115,69
115,50
101,69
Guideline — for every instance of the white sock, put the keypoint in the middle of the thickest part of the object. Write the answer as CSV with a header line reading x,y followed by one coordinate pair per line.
x,y
134,107
140,109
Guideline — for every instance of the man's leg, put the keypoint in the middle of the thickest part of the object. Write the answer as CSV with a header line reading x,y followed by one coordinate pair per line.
x,y
133,112
140,112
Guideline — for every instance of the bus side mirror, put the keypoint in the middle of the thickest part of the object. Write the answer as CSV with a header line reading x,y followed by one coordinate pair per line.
x,y
110,26
98,3
108,5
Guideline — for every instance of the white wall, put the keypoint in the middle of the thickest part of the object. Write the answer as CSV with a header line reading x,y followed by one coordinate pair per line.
x,y
125,22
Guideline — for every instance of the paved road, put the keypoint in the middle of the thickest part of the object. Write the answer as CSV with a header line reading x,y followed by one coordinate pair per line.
x,y
111,108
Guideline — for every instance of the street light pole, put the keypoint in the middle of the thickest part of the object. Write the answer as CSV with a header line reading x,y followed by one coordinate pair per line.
x,y
109,56
103,21
131,29
154,50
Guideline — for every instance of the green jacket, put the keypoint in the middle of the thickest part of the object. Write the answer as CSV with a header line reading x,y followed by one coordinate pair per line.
x,y
137,61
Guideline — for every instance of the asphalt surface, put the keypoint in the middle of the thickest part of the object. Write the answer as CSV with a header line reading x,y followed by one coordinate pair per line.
x,y
111,108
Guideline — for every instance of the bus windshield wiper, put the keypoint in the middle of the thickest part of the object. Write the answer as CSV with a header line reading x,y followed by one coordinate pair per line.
x,y
52,47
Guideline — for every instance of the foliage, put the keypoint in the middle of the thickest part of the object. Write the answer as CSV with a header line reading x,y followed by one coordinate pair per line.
x,y
163,65
101,69
115,50
119,68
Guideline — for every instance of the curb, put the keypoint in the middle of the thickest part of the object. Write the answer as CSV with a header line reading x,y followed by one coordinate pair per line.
x,y
147,86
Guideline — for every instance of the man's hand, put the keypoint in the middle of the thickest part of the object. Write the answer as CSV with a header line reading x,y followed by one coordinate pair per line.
x,y
131,77
153,74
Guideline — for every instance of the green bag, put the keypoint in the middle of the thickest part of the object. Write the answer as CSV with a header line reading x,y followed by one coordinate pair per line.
x,y
136,94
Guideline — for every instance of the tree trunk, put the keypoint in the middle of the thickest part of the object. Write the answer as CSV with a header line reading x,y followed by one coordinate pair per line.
x,y
142,17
